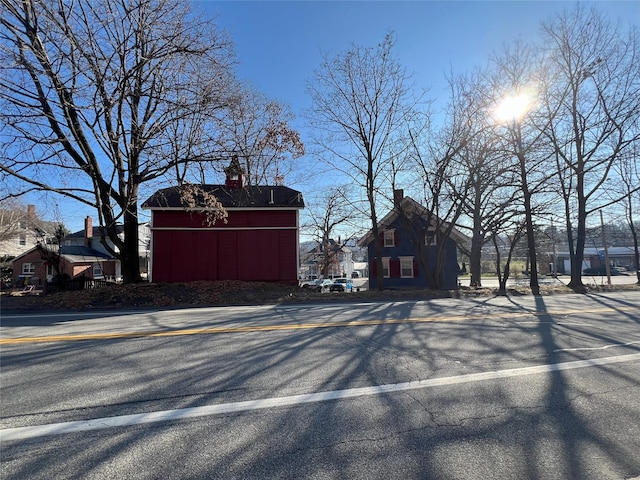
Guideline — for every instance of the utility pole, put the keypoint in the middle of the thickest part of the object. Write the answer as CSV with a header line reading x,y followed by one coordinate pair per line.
x,y
606,250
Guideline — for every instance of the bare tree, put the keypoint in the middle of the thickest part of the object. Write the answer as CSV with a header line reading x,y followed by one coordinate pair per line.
x,y
487,188
458,167
629,185
593,103
326,215
516,85
92,94
441,189
258,130
492,199
503,269
357,109
49,249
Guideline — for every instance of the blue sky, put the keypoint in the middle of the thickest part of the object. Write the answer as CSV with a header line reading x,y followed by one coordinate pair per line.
x,y
278,43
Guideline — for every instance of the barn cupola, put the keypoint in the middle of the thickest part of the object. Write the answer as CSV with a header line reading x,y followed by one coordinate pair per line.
x,y
235,174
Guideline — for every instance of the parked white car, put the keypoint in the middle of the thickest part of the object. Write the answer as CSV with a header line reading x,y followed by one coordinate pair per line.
x,y
318,285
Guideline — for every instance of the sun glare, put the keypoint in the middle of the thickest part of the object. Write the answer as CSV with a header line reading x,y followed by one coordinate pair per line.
x,y
514,107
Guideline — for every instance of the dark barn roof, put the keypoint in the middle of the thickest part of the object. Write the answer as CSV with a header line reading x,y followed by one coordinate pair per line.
x,y
248,197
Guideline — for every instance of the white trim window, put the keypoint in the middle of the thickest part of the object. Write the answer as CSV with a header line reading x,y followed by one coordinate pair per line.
x,y
28,269
22,239
389,238
386,272
406,267
430,238
97,270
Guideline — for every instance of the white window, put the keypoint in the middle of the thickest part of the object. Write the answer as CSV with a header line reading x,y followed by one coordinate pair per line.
x,y
97,270
430,238
389,238
28,269
385,267
23,239
406,267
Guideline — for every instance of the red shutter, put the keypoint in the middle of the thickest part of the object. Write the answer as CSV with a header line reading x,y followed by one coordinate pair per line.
x,y
396,238
394,268
381,235
416,267
374,268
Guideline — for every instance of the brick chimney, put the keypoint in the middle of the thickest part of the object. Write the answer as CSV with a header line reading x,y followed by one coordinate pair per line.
x,y
88,231
398,195
31,212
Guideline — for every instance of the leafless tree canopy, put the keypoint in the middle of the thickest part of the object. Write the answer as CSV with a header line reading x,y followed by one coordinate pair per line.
x,y
93,92
98,99
358,108
258,130
593,103
328,213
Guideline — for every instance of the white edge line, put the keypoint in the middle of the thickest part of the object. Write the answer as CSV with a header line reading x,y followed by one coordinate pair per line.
x,y
604,347
22,433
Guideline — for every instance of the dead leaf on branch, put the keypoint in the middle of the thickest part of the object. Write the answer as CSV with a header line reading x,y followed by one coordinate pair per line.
x,y
197,199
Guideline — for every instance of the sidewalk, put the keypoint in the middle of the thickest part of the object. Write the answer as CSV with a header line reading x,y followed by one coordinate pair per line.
x,y
492,282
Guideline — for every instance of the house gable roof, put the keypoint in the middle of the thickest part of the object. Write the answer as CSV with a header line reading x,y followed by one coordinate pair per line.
x,y
82,254
23,254
34,223
74,254
276,197
409,206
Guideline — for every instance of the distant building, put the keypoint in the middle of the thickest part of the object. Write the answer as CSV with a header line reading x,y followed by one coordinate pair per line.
x,y
338,259
81,253
361,269
594,257
20,231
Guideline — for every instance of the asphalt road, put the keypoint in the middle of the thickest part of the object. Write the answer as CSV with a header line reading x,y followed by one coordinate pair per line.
x,y
500,388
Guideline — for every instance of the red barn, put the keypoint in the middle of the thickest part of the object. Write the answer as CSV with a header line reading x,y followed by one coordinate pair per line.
x,y
258,242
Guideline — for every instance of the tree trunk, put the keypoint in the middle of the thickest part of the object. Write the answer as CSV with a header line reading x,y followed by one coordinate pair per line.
x,y
531,242
581,237
475,257
502,281
129,255
377,248
377,244
637,256
634,235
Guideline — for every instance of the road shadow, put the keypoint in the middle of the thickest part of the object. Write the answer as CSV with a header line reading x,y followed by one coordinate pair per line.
x,y
494,429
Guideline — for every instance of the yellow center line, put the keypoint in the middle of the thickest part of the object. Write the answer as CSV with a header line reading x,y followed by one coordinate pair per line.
x,y
300,326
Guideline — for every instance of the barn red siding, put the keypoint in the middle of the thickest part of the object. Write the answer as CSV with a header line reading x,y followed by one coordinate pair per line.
x,y
258,255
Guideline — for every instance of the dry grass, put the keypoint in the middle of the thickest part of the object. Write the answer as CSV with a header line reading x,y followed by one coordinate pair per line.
x,y
147,295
